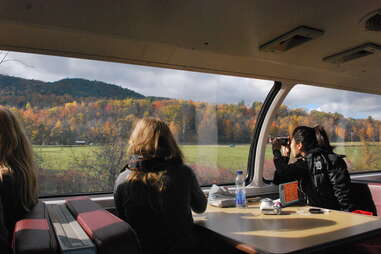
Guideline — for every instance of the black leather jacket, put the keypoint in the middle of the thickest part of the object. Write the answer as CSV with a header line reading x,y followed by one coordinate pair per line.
x,y
323,178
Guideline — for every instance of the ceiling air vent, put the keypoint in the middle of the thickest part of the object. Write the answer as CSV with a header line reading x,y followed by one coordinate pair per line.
x,y
289,40
372,21
354,53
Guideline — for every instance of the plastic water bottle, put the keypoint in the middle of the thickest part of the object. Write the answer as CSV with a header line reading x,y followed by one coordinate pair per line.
x,y
240,192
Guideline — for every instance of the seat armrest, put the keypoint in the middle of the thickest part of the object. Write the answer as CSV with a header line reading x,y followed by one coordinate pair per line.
x,y
34,233
109,233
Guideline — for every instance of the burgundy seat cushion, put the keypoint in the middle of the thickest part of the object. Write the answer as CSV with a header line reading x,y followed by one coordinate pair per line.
x,y
34,233
109,233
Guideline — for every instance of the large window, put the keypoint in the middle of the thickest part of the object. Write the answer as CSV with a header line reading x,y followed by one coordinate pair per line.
x,y
79,115
352,121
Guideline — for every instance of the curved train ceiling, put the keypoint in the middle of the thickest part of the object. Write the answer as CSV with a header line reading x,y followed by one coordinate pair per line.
x,y
218,36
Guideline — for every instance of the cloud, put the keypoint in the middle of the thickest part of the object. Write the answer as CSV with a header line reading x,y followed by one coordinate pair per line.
x,y
211,88
350,104
149,81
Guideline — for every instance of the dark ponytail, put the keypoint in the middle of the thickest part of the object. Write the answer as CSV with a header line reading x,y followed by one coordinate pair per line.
x,y
322,138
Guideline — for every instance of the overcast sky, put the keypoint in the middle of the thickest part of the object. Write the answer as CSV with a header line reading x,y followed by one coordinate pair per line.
x,y
151,81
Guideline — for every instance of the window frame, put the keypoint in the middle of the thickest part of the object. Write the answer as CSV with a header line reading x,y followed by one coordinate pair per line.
x,y
257,184
260,155
276,87
257,130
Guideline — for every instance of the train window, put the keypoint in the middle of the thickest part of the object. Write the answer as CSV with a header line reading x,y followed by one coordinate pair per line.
x,y
79,115
352,121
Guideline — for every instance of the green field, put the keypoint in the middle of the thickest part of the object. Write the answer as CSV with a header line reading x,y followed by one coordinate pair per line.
x,y
63,171
221,156
59,157
217,156
210,156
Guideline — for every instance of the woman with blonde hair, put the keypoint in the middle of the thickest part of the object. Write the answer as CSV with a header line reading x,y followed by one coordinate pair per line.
x,y
18,182
156,192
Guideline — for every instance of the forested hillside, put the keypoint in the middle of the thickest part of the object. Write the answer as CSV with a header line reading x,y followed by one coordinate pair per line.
x,y
19,92
191,122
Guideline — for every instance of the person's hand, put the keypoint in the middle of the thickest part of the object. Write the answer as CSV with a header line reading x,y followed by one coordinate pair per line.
x,y
285,151
276,144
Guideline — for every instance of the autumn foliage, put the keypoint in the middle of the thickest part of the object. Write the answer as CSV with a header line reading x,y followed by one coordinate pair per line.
x,y
191,122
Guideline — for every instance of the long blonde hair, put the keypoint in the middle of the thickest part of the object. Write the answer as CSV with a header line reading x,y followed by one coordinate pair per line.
x,y
16,158
152,138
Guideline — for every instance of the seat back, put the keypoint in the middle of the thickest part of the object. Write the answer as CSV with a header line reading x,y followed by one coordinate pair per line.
x,y
362,197
34,233
375,190
109,233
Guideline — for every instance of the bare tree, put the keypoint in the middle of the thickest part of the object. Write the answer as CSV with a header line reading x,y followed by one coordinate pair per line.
x,y
4,58
103,162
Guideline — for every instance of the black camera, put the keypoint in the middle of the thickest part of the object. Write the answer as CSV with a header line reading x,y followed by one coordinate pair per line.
x,y
283,141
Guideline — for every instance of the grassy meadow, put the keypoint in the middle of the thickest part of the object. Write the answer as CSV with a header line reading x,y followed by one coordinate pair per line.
x,y
210,156
221,156
212,164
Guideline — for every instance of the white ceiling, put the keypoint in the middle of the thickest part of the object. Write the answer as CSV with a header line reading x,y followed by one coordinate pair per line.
x,y
218,36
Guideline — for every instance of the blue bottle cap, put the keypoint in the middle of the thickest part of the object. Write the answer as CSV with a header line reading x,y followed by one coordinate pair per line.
x,y
239,172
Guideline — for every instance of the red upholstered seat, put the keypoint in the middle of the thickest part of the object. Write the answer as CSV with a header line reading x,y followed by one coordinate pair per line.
x,y
109,233
34,233
370,246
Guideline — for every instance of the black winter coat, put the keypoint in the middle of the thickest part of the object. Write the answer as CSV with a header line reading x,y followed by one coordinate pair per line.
x,y
11,210
323,178
162,220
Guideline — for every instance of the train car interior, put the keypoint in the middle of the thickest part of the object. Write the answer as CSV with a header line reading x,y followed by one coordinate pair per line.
x,y
227,77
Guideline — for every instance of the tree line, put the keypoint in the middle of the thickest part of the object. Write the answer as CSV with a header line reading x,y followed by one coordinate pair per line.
x,y
100,121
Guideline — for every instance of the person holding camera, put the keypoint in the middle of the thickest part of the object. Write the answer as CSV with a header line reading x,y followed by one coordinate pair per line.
x,y
322,174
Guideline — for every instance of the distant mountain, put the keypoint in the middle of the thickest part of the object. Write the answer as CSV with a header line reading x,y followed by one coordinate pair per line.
x,y
18,92
75,87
